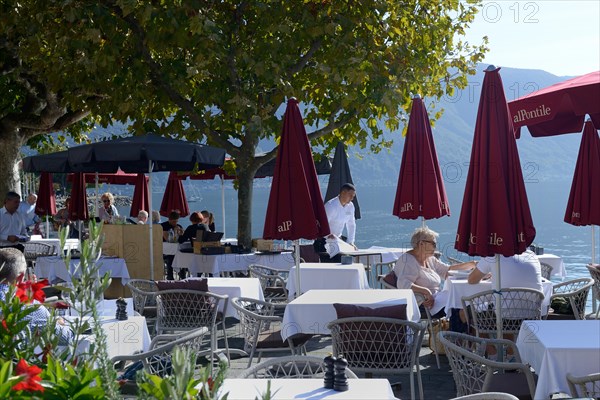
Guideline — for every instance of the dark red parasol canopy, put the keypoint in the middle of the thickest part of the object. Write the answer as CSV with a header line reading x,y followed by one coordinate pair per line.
x,y
46,201
174,198
140,199
583,207
560,108
421,191
295,209
78,208
495,216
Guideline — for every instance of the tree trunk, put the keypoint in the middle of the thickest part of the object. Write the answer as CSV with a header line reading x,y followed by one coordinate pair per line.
x,y
10,147
245,188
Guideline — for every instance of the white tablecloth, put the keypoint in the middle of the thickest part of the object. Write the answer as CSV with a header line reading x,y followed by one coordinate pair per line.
x,y
328,276
54,267
108,308
311,312
55,243
557,264
554,348
200,263
122,337
236,287
242,389
458,288
169,249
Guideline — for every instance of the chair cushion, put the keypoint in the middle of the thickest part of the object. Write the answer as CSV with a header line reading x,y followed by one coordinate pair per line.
x,y
272,340
187,284
149,312
513,383
391,279
397,311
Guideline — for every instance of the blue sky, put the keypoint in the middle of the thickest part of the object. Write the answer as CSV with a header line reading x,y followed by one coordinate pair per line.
x,y
558,36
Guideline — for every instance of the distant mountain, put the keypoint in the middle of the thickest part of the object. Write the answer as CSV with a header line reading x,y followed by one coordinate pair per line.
x,y
543,159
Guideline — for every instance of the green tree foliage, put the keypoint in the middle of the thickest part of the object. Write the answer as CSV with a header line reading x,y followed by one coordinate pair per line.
x,y
220,71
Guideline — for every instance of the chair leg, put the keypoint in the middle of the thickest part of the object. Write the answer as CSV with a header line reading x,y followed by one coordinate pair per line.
x,y
434,341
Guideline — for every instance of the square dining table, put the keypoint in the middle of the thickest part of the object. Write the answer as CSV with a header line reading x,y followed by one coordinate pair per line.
x,y
327,276
554,348
311,312
235,287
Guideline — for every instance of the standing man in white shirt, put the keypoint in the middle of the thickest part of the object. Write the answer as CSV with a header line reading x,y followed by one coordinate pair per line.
x,y
12,224
27,210
340,215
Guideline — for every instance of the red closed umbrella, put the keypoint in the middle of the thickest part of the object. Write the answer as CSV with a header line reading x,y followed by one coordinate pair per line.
x,y
78,208
495,217
174,198
559,108
140,199
295,209
421,191
583,206
46,201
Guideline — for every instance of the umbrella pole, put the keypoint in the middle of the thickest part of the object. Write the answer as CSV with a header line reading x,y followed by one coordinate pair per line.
x,y
96,208
498,302
223,203
423,222
593,246
150,211
297,263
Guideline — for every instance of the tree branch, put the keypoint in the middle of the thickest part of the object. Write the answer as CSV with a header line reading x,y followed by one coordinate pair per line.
x,y
294,69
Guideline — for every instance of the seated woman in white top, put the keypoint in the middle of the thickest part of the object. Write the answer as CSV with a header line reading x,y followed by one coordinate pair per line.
x,y
418,269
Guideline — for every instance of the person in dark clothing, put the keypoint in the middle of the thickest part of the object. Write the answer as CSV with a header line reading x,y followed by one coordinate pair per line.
x,y
171,224
192,231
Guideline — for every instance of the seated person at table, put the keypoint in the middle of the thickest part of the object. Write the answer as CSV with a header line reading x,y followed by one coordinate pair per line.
x,y
520,270
12,225
27,210
171,224
155,217
62,220
209,220
12,272
108,210
142,217
196,228
418,269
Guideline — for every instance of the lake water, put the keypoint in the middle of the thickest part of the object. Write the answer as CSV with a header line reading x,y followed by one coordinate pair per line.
x,y
379,227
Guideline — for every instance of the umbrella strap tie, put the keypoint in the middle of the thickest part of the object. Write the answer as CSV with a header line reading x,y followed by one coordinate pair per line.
x,y
498,292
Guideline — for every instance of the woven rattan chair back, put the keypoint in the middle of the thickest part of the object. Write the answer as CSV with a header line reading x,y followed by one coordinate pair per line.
x,y
143,292
472,368
546,270
576,291
184,310
595,274
584,386
290,367
272,283
518,305
487,396
380,345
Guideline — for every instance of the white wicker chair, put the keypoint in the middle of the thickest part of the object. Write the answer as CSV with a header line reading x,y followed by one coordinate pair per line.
x,y
143,292
576,291
295,367
546,270
272,282
475,372
584,386
32,251
380,345
595,274
181,310
383,269
518,305
261,330
487,396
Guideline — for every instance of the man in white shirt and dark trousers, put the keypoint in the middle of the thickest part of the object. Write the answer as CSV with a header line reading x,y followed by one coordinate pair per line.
x,y
340,215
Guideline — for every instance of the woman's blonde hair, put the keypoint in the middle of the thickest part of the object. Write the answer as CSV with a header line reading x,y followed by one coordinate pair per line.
x,y
423,233
108,196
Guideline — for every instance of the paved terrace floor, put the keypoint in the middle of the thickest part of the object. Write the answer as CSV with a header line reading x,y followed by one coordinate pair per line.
x,y
437,383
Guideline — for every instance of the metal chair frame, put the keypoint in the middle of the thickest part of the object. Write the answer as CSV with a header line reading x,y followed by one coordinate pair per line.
x,y
595,274
546,270
576,291
32,251
518,305
382,268
273,283
143,292
380,345
475,372
587,386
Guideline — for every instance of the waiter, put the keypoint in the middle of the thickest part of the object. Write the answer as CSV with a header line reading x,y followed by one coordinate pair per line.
x,y
340,215
12,223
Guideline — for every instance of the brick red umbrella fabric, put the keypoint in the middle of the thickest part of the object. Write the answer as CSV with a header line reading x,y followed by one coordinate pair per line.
x,y
295,209
495,216
140,199
560,108
46,201
174,198
420,191
583,207
78,208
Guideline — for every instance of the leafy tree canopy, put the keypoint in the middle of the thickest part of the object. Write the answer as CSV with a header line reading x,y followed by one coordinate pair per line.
x,y
219,71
